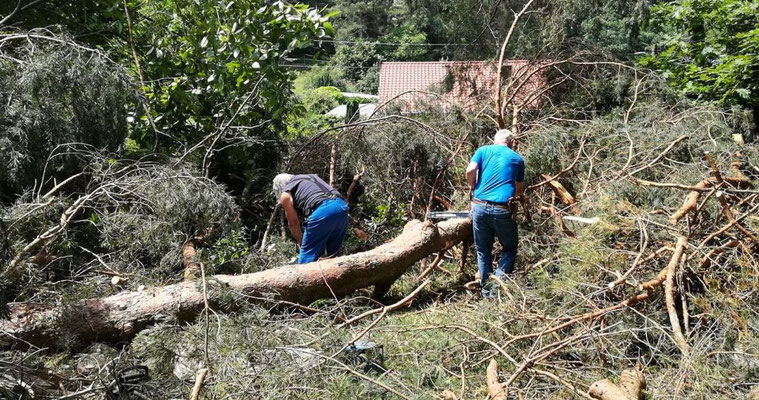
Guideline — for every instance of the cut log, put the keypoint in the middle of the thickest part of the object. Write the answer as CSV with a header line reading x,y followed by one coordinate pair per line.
x,y
496,391
190,260
121,316
630,387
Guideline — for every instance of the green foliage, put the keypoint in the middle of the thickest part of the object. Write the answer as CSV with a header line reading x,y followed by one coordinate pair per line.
x,y
317,77
710,49
408,35
231,247
91,21
308,116
160,208
615,27
355,59
234,48
54,94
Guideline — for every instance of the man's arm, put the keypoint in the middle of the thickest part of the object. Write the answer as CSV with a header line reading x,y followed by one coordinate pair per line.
x,y
519,189
292,216
471,175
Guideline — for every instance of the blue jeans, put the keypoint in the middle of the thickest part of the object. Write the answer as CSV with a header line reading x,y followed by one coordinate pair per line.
x,y
325,230
489,223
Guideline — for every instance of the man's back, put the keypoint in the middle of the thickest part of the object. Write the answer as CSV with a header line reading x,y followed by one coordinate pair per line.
x,y
499,168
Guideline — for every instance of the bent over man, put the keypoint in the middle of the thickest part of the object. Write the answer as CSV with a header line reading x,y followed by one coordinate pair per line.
x,y
496,177
324,210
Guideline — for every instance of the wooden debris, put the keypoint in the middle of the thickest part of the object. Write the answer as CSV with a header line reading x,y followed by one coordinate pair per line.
x,y
715,169
630,387
496,391
589,221
674,321
562,193
199,379
190,260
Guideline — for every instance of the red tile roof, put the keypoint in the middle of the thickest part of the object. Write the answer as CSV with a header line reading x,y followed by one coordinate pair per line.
x,y
465,83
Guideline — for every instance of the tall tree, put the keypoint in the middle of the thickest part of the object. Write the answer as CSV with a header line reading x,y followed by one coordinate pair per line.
x,y
710,49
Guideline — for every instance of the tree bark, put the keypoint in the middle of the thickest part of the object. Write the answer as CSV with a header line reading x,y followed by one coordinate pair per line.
x,y
120,317
496,391
630,387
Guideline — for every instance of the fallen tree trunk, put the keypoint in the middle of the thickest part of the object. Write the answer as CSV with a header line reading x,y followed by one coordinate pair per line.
x,y
121,316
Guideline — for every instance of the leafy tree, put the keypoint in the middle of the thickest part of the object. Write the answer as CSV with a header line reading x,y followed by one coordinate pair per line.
x,y
215,84
199,74
411,43
711,49
355,59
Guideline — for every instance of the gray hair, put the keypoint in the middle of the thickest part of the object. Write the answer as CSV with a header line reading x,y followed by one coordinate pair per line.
x,y
278,185
503,136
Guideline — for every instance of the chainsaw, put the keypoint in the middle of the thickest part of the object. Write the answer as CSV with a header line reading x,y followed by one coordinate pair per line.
x,y
437,216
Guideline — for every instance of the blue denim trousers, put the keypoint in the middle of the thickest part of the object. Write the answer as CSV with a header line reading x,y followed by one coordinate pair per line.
x,y
325,231
489,223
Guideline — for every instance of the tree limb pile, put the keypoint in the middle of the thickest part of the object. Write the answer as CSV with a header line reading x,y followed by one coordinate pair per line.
x,y
121,316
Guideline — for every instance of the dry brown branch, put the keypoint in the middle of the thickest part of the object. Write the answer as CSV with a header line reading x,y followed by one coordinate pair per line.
x,y
496,391
353,185
332,162
434,263
583,317
669,291
562,193
662,275
672,185
199,379
630,387
660,156
269,225
563,171
501,58
51,233
569,385
623,278
730,217
691,201
190,260
715,169
709,258
400,303
464,253
736,172
728,226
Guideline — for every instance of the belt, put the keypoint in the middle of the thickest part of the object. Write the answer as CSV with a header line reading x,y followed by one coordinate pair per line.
x,y
490,203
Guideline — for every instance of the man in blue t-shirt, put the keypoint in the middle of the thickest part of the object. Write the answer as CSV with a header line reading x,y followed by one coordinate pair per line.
x,y
496,177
